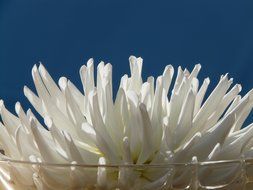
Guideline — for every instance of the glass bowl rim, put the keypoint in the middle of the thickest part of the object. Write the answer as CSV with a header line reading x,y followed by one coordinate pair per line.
x,y
242,161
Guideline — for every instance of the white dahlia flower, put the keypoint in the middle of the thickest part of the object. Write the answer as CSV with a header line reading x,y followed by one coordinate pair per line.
x,y
146,125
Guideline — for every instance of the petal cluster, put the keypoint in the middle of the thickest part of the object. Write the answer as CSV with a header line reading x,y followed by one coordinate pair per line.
x,y
158,121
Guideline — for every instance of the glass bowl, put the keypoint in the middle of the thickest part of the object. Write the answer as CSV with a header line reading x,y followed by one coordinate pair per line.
x,y
227,174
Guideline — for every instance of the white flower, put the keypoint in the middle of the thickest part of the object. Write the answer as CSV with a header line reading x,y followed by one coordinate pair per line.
x,y
146,124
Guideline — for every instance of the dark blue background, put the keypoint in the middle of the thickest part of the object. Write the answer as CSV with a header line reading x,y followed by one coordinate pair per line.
x,y
63,34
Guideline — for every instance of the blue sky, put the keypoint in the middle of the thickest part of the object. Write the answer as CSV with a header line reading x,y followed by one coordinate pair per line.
x,y
64,34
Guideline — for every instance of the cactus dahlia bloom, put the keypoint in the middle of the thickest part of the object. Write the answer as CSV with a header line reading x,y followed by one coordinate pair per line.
x,y
146,125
